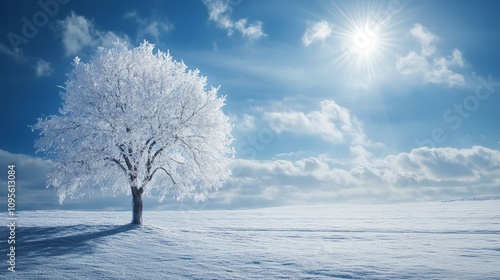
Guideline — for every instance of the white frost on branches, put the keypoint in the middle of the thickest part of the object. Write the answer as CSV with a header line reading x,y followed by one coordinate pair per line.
x,y
135,118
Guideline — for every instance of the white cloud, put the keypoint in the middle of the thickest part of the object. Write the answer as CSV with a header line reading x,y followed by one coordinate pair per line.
x,y
220,12
286,172
252,31
31,188
244,122
360,154
247,122
428,64
79,33
149,27
16,53
421,174
30,169
436,166
425,38
318,31
332,122
441,72
43,68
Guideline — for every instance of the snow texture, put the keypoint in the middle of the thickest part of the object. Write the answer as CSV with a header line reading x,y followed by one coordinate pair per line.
x,y
458,240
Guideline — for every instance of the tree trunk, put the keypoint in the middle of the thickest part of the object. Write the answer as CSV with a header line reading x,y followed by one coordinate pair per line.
x,y
137,205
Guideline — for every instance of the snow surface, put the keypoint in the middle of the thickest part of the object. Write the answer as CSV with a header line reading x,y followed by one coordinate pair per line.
x,y
459,240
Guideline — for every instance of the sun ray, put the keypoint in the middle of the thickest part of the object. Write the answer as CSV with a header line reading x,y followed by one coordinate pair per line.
x,y
366,36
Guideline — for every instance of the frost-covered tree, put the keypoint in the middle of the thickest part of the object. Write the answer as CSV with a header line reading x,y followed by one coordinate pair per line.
x,y
139,122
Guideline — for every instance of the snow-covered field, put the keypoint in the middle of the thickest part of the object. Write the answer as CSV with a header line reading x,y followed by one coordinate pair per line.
x,y
454,240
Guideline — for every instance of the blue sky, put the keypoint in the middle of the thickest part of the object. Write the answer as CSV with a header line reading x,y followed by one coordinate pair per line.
x,y
332,101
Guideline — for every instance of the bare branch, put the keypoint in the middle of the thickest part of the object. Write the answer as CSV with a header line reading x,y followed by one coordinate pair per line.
x,y
117,163
168,173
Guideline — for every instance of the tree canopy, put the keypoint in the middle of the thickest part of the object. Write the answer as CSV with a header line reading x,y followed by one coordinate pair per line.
x,y
136,118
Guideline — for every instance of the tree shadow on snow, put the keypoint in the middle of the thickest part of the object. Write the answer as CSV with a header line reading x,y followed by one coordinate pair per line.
x,y
35,242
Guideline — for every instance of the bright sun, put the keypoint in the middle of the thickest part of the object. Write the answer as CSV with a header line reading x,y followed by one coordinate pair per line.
x,y
365,33
364,42
364,50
